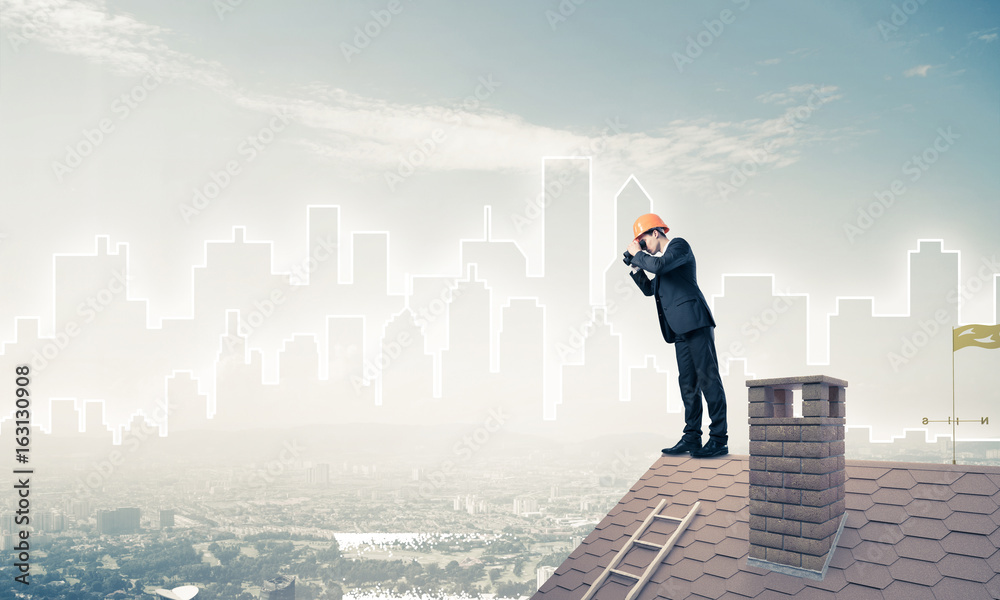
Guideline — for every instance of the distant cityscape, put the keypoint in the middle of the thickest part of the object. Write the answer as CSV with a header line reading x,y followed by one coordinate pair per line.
x,y
331,512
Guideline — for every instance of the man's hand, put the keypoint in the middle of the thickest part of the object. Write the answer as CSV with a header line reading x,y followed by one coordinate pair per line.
x,y
634,248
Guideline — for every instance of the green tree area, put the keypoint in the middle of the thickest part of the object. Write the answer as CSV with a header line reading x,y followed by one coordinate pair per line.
x,y
74,572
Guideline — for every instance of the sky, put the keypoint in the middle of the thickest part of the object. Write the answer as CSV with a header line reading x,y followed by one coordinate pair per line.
x,y
814,141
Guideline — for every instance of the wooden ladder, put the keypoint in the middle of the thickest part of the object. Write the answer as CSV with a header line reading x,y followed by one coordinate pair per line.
x,y
642,580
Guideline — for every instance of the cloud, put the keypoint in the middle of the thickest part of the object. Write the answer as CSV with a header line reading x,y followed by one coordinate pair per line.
x,y
365,136
770,61
799,93
775,98
119,42
984,35
803,52
920,70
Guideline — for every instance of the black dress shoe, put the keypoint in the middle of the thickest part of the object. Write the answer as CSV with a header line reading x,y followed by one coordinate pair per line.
x,y
712,448
683,446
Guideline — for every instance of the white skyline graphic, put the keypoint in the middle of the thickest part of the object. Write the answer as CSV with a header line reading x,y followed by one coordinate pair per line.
x,y
254,334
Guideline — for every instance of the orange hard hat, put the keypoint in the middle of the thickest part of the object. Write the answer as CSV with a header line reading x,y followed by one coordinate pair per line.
x,y
647,222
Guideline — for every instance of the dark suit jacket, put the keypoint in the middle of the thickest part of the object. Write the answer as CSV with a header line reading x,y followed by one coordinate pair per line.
x,y
679,302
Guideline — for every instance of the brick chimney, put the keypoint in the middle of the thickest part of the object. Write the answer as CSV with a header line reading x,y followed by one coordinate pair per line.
x,y
796,474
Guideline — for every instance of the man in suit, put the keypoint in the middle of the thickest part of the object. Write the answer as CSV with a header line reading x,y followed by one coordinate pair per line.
x,y
685,321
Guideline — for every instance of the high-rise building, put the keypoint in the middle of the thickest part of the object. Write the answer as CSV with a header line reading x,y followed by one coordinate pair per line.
x,y
318,474
279,588
167,518
543,574
50,521
122,520
525,504
80,509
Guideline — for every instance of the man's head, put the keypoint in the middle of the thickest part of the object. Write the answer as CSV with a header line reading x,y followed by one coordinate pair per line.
x,y
654,240
651,232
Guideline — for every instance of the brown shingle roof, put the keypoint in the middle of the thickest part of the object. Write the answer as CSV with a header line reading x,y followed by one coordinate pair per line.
x,y
913,531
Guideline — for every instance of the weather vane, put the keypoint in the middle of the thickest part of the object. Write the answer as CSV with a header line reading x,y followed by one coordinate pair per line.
x,y
981,336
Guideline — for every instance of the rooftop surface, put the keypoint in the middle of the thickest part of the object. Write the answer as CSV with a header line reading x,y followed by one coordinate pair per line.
x,y
914,531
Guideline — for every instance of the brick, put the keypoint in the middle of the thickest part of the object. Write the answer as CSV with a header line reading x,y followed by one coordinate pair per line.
x,y
838,477
765,448
818,531
758,552
760,394
783,433
815,408
808,546
758,433
836,447
820,465
822,433
758,522
815,391
761,409
822,497
783,403
813,563
837,394
765,478
838,508
783,557
758,463
763,538
810,514
765,509
758,492
805,481
784,526
837,410
781,464
807,449
784,495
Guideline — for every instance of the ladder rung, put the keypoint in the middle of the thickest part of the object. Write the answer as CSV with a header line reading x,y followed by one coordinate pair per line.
x,y
626,574
666,517
649,545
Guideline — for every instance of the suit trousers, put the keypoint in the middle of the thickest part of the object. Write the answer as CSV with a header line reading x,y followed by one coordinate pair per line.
x,y
698,374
